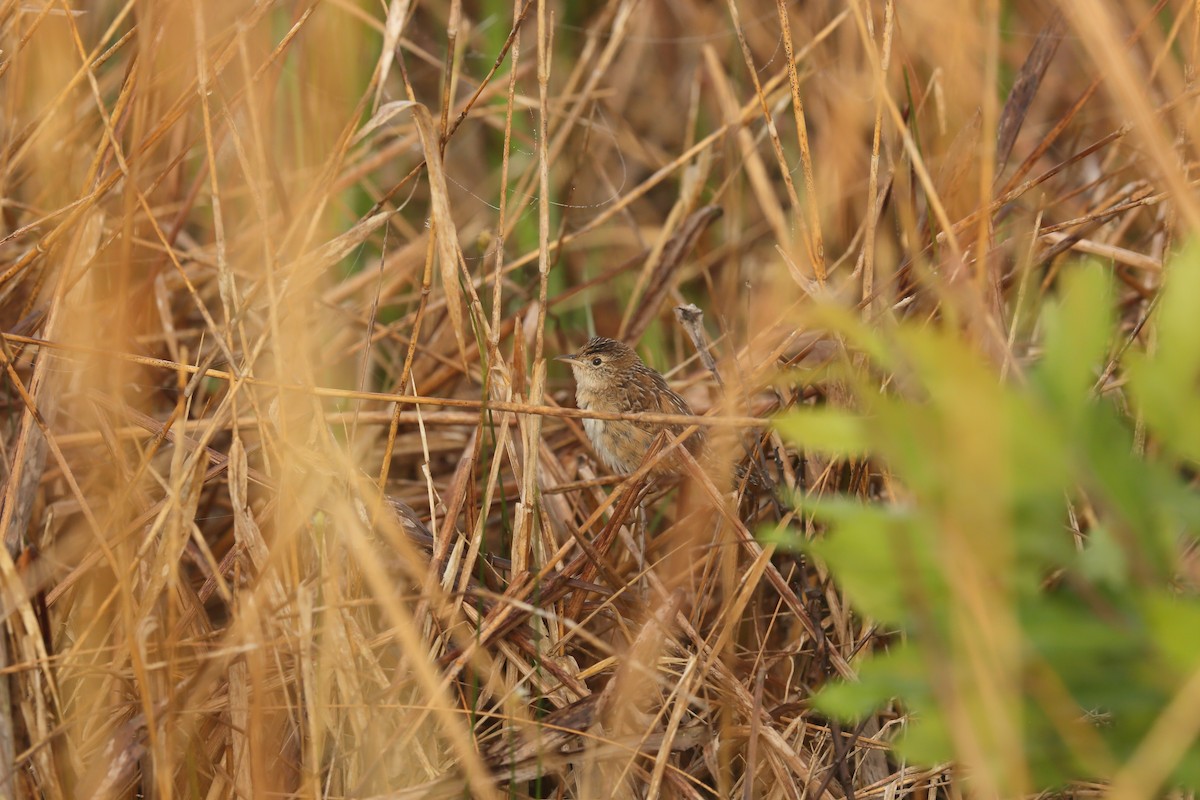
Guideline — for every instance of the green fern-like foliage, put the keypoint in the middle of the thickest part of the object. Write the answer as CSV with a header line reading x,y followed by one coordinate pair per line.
x,y
1031,557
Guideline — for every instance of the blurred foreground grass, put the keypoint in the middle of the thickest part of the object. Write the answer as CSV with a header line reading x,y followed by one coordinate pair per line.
x,y
293,504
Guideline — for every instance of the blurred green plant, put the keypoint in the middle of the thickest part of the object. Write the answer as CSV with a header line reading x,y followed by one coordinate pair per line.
x,y
1030,557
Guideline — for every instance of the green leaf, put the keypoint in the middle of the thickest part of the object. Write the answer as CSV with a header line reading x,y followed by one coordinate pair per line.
x,y
1103,560
1164,383
826,430
881,676
1078,338
1146,499
1175,622
981,471
782,537
874,552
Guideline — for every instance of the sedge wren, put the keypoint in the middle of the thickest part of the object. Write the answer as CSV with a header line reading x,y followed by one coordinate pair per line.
x,y
610,377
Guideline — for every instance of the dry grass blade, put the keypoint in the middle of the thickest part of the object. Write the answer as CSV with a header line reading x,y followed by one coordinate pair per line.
x,y
810,186
677,249
393,27
1025,87
1095,24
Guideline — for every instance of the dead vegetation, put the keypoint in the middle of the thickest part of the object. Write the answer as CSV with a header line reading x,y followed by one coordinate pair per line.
x,y
294,504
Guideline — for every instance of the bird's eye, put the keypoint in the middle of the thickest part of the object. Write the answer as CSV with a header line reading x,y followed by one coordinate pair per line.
x,y
597,361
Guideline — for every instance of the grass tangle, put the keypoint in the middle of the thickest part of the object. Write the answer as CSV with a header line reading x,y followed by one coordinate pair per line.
x,y
295,502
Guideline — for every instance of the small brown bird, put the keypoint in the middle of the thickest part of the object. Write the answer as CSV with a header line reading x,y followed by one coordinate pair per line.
x,y
609,376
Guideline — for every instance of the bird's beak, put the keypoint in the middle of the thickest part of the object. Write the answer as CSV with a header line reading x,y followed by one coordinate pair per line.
x,y
569,358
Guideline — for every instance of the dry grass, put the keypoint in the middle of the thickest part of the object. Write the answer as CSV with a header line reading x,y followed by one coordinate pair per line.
x,y
294,504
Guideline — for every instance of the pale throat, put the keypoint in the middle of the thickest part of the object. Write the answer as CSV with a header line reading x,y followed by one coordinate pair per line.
x,y
588,398
588,394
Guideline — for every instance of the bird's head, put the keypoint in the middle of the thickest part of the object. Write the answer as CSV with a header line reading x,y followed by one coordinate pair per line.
x,y
600,363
